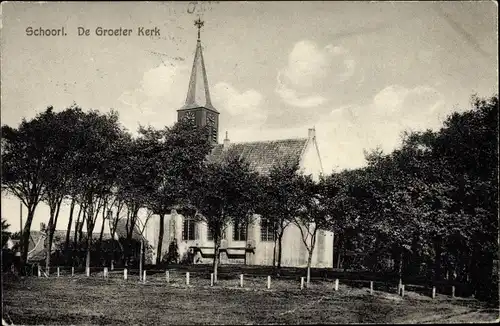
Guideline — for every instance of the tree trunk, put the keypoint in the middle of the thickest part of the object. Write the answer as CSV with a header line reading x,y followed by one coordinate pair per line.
x,y
216,257
274,250
104,216
113,232
102,229
87,259
338,252
437,260
246,234
51,228
102,232
160,239
100,237
140,259
84,218
400,269
90,228
309,260
77,225
48,239
80,230
26,233
280,238
130,225
66,244
413,260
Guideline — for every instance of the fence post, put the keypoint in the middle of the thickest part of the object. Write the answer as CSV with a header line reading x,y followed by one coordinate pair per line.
x,y
58,273
269,282
433,292
453,291
402,290
87,271
211,279
336,284
187,278
72,271
112,264
125,274
167,275
371,287
39,271
144,277
105,272
302,283
241,280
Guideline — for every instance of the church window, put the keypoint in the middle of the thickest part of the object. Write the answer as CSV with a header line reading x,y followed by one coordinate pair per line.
x,y
239,232
188,229
210,237
266,230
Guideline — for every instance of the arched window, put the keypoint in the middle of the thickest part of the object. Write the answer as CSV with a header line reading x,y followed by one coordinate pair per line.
x,y
266,230
210,237
188,228
240,232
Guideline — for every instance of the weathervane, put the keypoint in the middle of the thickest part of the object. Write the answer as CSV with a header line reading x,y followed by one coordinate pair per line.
x,y
199,23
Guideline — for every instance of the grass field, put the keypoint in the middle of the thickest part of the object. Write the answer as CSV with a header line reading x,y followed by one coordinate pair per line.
x,y
113,301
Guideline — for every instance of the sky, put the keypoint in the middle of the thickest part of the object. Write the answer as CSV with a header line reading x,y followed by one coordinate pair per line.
x,y
360,73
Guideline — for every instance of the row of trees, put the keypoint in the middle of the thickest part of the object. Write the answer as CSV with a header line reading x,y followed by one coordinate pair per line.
x,y
432,202
90,161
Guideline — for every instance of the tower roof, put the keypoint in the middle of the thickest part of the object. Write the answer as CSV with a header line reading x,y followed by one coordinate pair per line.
x,y
198,94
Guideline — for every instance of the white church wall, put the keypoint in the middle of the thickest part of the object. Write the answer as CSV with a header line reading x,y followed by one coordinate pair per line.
x,y
294,252
310,163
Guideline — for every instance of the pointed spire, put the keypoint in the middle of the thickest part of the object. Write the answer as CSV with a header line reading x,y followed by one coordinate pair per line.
x,y
198,94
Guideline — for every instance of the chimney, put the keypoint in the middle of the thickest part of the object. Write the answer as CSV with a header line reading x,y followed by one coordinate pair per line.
x,y
311,133
226,143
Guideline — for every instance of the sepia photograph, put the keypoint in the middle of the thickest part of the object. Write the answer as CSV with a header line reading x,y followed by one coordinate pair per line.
x,y
249,162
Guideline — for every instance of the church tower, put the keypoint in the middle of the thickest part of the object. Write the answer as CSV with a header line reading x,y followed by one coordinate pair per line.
x,y
198,107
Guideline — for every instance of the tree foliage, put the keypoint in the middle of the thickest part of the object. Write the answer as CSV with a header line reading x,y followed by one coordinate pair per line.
x,y
226,192
431,202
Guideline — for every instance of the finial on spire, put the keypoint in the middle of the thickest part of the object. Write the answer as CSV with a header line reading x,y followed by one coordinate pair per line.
x,y
226,134
199,23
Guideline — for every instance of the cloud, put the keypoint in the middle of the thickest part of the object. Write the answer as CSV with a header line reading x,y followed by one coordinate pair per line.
x,y
311,71
345,132
159,93
242,107
291,96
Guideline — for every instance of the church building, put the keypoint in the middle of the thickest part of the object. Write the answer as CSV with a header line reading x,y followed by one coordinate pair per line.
x,y
252,244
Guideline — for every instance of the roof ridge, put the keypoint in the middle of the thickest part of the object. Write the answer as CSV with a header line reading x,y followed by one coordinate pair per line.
x,y
268,141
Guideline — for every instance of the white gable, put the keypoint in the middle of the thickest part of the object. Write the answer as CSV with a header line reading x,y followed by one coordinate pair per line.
x,y
310,160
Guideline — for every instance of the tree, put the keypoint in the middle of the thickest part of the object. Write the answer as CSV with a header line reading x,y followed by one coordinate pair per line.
x,y
312,215
434,199
60,173
133,180
102,146
281,202
25,161
223,194
347,198
175,158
